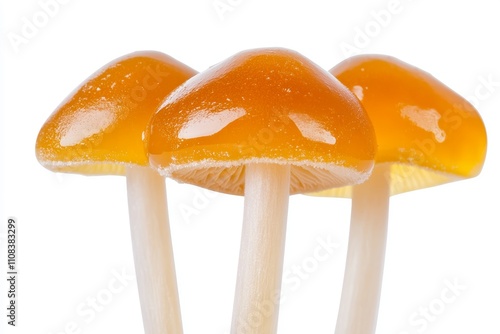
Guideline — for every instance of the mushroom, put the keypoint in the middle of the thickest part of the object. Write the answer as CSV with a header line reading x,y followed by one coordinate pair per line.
x,y
98,130
265,123
427,135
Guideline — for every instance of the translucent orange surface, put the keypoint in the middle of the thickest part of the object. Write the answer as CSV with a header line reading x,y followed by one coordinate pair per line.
x,y
428,133
265,105
99,128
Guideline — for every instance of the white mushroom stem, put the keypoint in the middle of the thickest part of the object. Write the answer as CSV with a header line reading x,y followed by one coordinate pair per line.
x,y
258,286
153,255
365,255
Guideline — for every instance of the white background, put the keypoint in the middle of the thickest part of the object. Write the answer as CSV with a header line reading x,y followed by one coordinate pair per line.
x,y
73,230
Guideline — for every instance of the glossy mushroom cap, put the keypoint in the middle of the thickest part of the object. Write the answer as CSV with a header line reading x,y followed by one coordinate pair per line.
x,y
262,106
99,128
427,133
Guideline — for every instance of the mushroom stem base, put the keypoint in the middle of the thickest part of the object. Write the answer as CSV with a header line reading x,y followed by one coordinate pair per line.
x,y
365,255
153,255
257,297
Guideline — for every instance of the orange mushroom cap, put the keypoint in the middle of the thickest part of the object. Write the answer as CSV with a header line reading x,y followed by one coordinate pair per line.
x,y
99,128
262,106
428,133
